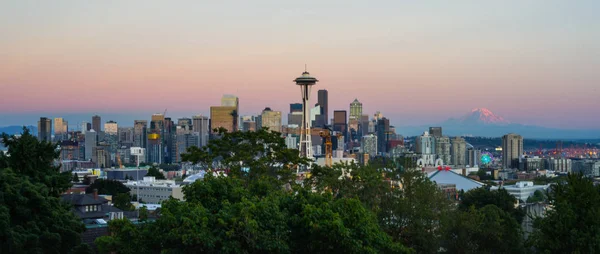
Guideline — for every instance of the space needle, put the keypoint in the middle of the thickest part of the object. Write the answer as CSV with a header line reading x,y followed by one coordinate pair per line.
x,y
305,82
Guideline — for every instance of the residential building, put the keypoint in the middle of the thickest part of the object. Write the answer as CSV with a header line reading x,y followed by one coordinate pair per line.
x,y
125,136
91,207
559,164
291,141
474,157
369,145
45,129
459,151
442,147
154,191
531,163
587,167
512,149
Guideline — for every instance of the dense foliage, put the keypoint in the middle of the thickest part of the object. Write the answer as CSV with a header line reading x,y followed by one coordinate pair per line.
x,y
107,187
573,223
155,172
33,219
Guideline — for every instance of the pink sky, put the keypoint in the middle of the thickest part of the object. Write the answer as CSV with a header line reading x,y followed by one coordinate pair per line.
x,y
535,63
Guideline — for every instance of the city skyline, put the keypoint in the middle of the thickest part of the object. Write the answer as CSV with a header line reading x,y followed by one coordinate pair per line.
x,y
417,63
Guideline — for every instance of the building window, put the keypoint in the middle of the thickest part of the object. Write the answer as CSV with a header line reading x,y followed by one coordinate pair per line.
x,y
87,208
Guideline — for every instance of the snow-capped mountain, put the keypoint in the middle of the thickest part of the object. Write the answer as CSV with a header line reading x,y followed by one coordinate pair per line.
x,y
483,122
483,115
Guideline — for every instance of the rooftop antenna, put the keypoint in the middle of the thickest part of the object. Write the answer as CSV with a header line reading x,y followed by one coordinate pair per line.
x,y
305,68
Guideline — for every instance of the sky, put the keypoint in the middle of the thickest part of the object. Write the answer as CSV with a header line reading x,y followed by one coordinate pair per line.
x,y
533,62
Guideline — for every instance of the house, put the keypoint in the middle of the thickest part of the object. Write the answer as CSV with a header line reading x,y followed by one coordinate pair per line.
x,y
91,208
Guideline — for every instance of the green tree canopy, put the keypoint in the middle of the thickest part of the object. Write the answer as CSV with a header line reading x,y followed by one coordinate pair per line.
x,y
155,172
33,218
107,187
481,197
573,223
485,230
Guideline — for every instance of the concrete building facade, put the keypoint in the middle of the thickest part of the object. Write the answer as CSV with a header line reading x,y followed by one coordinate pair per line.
x,y
512,148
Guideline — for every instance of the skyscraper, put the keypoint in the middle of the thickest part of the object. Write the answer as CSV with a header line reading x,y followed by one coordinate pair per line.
x,y
355,109
296,107
369,145
229,100
185,123
459,152
85,127
140,133
340,123
111,128
383,130
270,119
435,131
45,129
61,129
442,148
323,101
200,125
223,117
91,141
96,123
512,148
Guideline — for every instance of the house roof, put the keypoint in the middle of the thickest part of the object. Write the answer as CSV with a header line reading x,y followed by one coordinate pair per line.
x,y
448,176
83,199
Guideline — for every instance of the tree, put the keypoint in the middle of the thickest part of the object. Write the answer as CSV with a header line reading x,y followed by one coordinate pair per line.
x,y
538,196
107,187
33,218
481,197
573,224
143,214
75,178
416,213
248,155
153,171
122,201
485,230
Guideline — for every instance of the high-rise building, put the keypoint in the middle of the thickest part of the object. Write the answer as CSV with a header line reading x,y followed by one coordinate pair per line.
x,y
512,148
85,127
45,129
61,129
296,107
185,123
169,141
315,117
224,117
295,118
435,131
369,145
474,157
364,125
270,119
442,148
229,100
459,152
340,123
323,101
96,123
383,134
91,141
140,133
291,141
125,136
356,109
111,128
200,125
425,144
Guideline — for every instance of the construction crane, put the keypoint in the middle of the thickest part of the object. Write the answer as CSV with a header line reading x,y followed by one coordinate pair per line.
x,y
119,160
326,134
